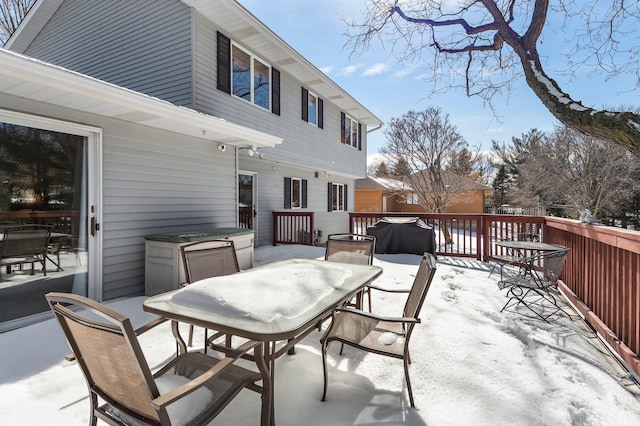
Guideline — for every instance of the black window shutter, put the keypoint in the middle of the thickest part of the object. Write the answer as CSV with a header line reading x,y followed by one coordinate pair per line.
x,y
345,199
224,63
330,197
287,193
305,104
320,113
359,137
304,193
343,134
275,91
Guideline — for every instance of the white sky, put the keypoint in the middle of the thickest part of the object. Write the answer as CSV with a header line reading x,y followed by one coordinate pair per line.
x,y
389,90
471,365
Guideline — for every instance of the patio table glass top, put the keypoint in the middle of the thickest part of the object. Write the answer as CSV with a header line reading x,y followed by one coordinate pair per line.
x,y
529,245
271,302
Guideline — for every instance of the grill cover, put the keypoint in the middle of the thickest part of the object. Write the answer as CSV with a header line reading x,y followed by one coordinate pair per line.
x,y
403,235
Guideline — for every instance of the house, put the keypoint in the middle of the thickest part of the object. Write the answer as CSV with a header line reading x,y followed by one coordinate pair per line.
x,y
378,194
179,115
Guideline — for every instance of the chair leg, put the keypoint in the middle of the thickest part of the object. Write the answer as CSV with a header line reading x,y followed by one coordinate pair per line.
x,y
190,340
324,370
406,376
518,298
93,420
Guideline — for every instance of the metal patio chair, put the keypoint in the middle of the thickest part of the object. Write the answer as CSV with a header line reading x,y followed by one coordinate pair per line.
x,y
382,335
25,244
355,249
510,258
535,289
191,389
208,259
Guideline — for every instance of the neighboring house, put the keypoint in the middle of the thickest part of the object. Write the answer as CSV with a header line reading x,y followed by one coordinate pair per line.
x,y
375,194
187,114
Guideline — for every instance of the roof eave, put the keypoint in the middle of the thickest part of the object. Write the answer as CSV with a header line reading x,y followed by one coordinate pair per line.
x,y
35,80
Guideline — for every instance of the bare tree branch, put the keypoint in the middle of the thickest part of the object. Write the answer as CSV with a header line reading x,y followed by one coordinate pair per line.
x,y
11,14
495,42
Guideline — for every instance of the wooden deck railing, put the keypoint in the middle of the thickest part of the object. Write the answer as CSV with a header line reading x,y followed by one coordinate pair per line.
x,y
461,235
601,275
602,279
293,228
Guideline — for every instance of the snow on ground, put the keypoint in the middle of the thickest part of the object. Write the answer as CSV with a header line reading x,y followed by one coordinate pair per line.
x,y
471,365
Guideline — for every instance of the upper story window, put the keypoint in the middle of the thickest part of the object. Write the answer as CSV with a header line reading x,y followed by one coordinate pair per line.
x,y
312,108
246,76
250,77
351,133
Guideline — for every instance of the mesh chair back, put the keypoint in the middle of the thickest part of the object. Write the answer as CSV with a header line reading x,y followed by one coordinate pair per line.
x,y
108,353
207,259
420,286
25,240
552,264
350,248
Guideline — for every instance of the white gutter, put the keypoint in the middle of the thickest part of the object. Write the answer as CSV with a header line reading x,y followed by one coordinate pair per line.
x,y
20,75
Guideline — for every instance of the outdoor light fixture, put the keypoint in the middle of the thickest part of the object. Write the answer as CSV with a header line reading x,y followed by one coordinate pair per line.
x,y
253,151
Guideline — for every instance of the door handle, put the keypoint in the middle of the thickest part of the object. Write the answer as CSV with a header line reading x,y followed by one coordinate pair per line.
x,y
95,227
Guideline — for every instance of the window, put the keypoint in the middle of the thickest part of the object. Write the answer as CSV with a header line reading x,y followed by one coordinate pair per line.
x,y
250,77
242,74
351,131
295,193
312,109
337,197
412,198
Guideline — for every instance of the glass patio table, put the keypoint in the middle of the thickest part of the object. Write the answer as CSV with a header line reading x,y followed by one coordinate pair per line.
x,y
278,302
525,253
531,246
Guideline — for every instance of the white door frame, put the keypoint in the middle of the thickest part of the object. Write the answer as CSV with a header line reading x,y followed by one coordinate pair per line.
x,y
94,183
254,197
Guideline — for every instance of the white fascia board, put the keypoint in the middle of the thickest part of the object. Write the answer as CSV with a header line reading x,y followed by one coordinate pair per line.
x,y
157,112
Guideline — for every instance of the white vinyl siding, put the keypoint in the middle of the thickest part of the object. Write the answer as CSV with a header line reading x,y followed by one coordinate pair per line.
x,y
153,182
306,145
144,45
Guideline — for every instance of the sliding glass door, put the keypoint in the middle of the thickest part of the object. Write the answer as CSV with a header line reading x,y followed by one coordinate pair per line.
x,y
45,214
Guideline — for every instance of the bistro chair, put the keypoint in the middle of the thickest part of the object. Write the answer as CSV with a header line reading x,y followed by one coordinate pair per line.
x,y
191,389
352,248
207,259
535,289
508,257
25,244
386,336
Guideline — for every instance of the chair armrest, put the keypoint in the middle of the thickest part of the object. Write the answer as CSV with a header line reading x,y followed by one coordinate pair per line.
x,y
377,317
192,385
148,326
390,290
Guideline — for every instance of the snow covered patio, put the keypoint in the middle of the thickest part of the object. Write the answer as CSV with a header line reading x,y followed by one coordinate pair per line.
x,y
472,364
